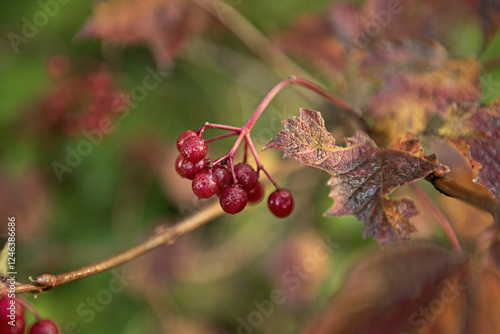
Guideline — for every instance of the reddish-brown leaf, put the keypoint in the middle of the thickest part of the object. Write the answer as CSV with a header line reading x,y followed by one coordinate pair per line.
x,y
410,97
362,173
390,292
420,288
161,25
475,131
397,47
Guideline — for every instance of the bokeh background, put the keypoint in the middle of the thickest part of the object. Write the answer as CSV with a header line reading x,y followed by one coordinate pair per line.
x,y
126,185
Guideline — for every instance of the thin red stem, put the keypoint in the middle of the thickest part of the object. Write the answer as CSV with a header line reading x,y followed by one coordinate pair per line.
x,y
29,308
344,105
315,88
245,153
229,134
448,229
218,126
260,166
244,131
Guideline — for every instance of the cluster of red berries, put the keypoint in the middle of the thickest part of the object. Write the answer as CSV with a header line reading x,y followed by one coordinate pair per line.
x,y
12,319
81,101
235,187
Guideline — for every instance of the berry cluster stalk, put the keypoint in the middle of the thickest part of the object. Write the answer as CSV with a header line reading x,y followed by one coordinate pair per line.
x,y
244,132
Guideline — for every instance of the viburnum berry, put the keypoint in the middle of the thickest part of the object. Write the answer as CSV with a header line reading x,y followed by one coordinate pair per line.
x,y
233,199
194,149
188,169
45,326
280,203
204,184
222,176
183,136
11,310
255,194
246,175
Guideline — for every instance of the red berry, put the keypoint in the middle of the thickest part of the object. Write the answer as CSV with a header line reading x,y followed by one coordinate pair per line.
x,y
183,136
194,149
178,165
233,199
99,81
7,317
280,203
45,326
255,194
188,169
204,184
222,176
246,175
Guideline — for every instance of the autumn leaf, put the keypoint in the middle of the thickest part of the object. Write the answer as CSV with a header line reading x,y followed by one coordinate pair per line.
x,y
475,131
436,292
410,98
161,25
362,173
397,49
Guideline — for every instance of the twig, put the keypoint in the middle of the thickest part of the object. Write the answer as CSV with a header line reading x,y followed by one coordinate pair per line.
x,y
424,199
165,236
253,38
450,188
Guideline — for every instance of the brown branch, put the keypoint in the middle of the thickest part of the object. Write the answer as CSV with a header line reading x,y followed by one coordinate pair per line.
x,y
491,63
449,187
255,39
165,236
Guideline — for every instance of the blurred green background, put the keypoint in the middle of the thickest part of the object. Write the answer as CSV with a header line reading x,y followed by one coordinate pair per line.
x,y
126,186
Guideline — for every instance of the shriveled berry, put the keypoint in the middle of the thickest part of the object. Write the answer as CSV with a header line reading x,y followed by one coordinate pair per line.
x,y
280,203
222,176
233,198
45,326
255,194
189,169
204,184
5,316
183,136
246,175
194,149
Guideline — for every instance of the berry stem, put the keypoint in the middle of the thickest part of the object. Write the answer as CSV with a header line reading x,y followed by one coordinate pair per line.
x,y
245,129
229,134
245,152
344,105
260,166
219,126
29,308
